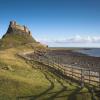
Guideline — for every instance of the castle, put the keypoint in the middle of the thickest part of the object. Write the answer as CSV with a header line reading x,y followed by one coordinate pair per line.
x,y
23,28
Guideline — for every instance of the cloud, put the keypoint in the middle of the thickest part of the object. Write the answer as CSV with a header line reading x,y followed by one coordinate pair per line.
x,y
77,39
86,39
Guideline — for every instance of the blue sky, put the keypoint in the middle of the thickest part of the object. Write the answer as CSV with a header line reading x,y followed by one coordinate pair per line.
x,y
55,22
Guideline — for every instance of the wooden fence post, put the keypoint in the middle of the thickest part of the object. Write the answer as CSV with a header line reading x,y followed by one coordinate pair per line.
x,y
66,71
52,61
72,72
48,60
38,58
89,76
99,78
82,78
58,61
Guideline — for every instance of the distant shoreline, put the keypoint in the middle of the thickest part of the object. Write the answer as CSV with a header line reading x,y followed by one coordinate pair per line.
x,y
76,59
86,51
74,47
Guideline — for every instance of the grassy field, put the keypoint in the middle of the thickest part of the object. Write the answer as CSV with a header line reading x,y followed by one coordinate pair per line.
x,y
23,80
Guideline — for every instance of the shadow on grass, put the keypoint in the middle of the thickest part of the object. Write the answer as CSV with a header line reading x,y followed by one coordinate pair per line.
x,y
72,96
64,88
54,94
59,94
77,95
33,97
94,94
97,93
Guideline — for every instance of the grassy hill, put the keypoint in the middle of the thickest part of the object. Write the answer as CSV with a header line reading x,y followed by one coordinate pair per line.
x,y
13,40
21,79
24,80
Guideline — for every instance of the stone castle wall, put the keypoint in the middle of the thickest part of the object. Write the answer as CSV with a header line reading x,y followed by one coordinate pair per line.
x,y
19,27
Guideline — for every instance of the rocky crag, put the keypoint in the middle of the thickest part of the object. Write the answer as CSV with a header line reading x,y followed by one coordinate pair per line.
x,y
17,35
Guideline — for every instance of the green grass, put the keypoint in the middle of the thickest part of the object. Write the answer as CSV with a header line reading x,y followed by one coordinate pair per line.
x,y
15,39
28,82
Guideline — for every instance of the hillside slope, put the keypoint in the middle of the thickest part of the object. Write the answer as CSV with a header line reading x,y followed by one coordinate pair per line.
x,y
15,36
24,80
21,79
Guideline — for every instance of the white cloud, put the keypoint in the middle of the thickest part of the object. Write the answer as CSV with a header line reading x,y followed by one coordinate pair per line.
x,y
75,41
78,39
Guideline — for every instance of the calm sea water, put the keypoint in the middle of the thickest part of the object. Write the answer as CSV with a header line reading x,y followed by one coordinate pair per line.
x,y
90,52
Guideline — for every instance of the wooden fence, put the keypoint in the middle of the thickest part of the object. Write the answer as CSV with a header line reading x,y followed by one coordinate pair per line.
x,y
82,75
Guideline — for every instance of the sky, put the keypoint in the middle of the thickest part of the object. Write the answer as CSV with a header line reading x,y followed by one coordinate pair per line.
x,y
62,23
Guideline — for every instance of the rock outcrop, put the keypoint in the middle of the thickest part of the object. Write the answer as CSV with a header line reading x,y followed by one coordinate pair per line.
x,y
16,35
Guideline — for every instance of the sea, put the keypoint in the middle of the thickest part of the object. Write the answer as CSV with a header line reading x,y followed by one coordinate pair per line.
x,y
91,52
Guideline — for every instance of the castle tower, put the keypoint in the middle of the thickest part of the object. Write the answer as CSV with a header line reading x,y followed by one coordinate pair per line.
x,y
12,23
29,33
24,28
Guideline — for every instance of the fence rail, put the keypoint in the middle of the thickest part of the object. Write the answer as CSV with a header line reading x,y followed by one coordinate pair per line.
x,y
82,75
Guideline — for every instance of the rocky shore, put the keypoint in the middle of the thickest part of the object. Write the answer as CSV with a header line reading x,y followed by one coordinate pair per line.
x,y
69,57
